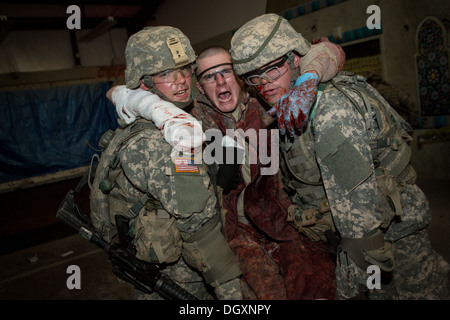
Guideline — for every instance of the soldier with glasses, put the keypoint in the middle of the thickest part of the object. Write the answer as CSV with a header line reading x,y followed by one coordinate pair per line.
x,y
347,166
166,196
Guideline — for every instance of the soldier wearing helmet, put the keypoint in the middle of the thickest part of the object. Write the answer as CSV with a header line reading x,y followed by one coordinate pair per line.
x,y
165,195
161,61
258,234
346,166
269,60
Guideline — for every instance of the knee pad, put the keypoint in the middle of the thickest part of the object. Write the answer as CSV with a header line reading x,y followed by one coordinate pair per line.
x,y
208,251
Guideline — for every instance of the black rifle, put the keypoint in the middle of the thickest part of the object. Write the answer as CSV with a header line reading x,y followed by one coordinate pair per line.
x,y
145,276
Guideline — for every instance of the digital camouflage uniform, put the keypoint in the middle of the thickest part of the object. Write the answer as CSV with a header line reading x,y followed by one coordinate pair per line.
x,y
341,145
350,178
176,223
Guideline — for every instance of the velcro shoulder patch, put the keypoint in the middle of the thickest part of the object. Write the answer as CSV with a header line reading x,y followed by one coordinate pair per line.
x,y
342,160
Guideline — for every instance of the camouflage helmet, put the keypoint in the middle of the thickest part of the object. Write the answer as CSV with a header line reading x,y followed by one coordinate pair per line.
x,y
263,40
153,50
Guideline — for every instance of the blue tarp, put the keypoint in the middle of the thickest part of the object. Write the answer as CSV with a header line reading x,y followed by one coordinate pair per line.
x,y
43,131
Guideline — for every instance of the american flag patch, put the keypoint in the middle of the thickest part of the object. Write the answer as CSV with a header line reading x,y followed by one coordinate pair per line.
x,y
185,165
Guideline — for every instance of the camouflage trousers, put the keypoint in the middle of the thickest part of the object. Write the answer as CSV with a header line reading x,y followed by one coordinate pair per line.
x,y
186,277
420,272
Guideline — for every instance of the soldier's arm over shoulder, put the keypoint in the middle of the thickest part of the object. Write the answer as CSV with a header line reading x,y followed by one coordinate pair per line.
x,y
324,58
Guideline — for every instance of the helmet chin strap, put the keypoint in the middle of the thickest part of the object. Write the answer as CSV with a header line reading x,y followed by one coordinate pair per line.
x,y
148,81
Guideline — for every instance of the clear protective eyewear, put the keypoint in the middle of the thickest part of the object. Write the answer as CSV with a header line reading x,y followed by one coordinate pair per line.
x,y
270,73
212,76
171,75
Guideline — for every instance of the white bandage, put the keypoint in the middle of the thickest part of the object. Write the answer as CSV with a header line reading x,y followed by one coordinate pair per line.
x,y
181,130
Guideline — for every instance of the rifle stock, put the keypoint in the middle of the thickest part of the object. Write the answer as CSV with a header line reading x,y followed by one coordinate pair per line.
x,y
144,276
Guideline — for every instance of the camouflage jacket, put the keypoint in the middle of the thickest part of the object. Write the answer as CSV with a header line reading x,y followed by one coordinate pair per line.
x,y
340,145
148,167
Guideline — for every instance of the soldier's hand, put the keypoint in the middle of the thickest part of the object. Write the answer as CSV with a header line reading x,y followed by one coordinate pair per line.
x,y
293,108
318,230
310,222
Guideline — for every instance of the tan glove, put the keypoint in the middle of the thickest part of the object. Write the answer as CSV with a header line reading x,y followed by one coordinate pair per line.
x,y
384,257
310,222
324,58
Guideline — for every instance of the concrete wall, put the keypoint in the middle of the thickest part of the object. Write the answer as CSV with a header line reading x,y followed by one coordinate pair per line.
x,y
431,157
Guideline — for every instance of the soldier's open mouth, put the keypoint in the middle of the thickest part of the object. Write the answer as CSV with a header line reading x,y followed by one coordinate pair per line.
x,y
181,94
224,96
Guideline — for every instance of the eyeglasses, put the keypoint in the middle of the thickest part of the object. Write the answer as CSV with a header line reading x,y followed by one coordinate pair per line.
x,y
212,76
270,73
171,75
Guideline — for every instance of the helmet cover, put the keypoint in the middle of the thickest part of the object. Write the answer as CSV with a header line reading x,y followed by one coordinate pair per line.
x,y
153,50
263,40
